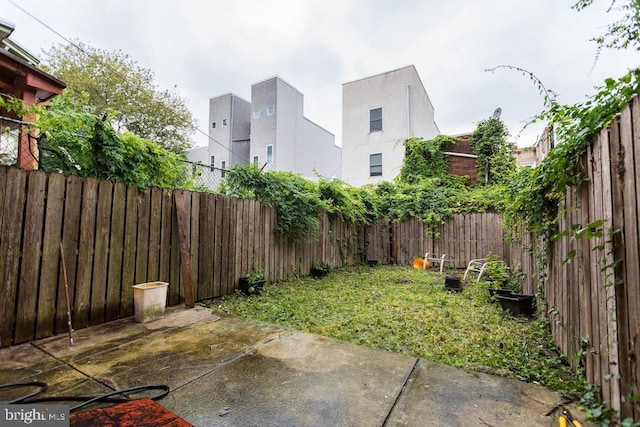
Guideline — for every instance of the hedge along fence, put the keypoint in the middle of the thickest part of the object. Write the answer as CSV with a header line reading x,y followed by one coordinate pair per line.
x,y
114,236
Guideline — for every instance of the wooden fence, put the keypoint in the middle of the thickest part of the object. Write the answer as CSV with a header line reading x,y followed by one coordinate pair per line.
x,y
461,237
594,299
114,236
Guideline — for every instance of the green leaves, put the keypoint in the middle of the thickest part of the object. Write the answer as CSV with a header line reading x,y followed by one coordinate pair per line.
x,y
536,193
76,141
113,83
495,162
425,159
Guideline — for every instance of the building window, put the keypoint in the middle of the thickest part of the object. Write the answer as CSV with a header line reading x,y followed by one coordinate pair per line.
x,y
375,120
270,154
213,162
255,160
223,165
375,164
270,110
256,114
213,125
224,122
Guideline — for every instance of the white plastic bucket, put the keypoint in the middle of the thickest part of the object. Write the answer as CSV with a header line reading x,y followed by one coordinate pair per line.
x,y
149,300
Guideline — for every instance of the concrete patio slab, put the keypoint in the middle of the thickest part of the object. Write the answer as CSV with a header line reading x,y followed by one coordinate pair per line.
x,y
297,379
224,370
442,395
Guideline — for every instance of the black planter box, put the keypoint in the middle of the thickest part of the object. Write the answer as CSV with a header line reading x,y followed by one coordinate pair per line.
x,y
249,288
319,272
452,283
518,304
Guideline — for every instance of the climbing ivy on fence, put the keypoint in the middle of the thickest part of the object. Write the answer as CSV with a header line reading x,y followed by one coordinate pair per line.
x,y
536,193
425,159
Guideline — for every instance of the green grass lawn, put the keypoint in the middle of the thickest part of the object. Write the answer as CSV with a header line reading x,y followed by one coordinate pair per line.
x,y
408,311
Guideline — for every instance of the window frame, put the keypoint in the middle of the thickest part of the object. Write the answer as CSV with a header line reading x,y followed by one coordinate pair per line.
x,y
374,172
213,125
272,108
270,154
256,114
375,124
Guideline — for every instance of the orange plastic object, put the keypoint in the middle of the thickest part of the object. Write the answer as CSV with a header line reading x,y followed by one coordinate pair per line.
x,y
137,413
421,263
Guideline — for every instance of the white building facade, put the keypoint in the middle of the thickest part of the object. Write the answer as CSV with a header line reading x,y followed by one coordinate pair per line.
x,y
270,131
378,113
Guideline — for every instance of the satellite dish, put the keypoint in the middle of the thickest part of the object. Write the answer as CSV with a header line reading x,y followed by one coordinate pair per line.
x,y
496,114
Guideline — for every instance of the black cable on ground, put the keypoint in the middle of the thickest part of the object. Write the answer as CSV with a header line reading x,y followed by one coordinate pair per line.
x,y
86,400
42,387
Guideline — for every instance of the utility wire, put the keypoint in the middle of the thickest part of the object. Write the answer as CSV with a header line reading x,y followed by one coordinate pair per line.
x,y
121,77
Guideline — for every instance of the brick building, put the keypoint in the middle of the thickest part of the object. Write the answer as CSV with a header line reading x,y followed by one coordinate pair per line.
x,y
461,159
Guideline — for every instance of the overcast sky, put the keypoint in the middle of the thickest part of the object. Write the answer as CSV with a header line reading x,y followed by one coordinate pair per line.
x,y
211,47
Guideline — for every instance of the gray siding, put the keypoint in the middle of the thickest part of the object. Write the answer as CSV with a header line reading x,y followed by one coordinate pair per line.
x,y
299,145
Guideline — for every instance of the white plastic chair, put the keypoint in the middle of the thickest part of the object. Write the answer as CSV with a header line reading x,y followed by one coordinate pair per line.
x,y
440,261
476,265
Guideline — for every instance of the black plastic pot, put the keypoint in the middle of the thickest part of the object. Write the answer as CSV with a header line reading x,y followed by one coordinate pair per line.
x,y
453,283
372,262
518,304
319,272
249,288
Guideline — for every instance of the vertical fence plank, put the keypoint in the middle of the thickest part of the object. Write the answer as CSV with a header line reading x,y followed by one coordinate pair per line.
x,y
30,262
129,251
101,253
594,334
175,277
142,241
116,247
207,212
632,290
218,249
50,256
85,253
12,212
167,242
195,240
166,221
610,350
183,241
70,241
155,218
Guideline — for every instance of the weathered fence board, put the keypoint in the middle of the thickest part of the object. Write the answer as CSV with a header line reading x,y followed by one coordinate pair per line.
x,y
116,247
98,293
12,211
85,253
29,267
129,252
50,256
